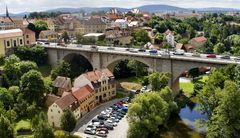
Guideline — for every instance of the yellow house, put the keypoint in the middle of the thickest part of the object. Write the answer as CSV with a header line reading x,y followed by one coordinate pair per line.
x,y
10,39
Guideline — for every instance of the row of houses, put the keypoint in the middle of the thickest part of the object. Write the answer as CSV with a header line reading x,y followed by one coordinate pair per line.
x,y
88,90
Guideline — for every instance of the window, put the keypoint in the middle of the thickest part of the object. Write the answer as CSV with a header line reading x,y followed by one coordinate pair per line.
x,y
51,110
14,43
104,95
27,42
21,42
8,44
113,92
59,112
27,36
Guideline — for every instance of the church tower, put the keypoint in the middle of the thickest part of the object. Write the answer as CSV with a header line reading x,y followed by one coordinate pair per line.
x,y
7,13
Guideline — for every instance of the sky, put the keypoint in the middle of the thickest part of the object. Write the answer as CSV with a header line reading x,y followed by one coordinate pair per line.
x,y
17,6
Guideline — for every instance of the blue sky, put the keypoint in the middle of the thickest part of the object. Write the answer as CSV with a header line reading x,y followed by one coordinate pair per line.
x,y
16,6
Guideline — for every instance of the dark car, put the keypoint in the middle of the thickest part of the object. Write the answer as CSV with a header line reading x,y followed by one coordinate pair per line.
x,y
211,56
102,117
95,120
225,57
237,59
141,50
108,126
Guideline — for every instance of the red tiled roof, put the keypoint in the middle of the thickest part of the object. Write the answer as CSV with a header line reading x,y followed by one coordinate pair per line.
x,y
66,101
200,39
97,74
82,93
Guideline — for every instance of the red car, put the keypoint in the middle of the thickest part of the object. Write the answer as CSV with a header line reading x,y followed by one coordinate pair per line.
x,y
211,56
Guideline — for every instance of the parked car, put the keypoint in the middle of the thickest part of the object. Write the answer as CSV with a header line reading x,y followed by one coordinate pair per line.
x,y
211,56
102,129
102,117
196,54
79,45
94,47
127,49
90,132
108,126
101,134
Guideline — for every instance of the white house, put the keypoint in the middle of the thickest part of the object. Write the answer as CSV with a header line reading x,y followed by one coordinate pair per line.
x,y
170,38
121,23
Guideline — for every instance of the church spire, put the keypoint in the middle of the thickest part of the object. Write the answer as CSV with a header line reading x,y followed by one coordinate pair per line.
x,y
7,14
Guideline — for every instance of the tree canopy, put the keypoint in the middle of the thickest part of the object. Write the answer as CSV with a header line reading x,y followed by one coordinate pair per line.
x,y
68,121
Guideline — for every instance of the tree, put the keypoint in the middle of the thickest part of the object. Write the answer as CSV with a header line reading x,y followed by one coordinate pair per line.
x,y
6,128
237,75
32,86
159,38
65,37
26,66
62,69
68,121
43,130
36,54
148,114
41,25
225,121
158,80
193,73
6,98
219,48
138,68
141,37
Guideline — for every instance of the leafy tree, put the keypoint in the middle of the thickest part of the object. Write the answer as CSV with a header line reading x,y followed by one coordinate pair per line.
x,y
138,67
193,73
68,121
62,69
158,80
122,70
141,37
184,41
148,114
219,48
41,25
43,130
65,37
36,54
32,86
6,128
159,38
26,66
225,121
6,98
237,75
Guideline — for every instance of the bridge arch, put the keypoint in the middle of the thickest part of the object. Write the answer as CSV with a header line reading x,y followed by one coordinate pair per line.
x,y
112,63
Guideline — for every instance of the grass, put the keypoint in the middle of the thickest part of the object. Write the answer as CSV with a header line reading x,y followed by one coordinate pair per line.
x,y
188,87
24,123
130,79
45,70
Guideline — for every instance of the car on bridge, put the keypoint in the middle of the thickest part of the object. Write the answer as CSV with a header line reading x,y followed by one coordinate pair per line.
x,y
225,57
179,52
94,47
153,52
110,48
211,56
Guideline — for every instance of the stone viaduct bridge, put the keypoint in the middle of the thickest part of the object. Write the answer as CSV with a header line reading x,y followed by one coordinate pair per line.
x,y
105,58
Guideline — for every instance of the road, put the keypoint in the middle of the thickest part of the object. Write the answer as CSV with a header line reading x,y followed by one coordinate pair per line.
x,y
135,52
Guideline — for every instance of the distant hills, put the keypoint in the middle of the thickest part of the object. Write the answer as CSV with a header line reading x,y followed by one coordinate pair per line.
x,y
147,8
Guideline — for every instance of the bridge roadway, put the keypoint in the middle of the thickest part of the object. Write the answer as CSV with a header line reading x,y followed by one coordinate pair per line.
x,y
161,53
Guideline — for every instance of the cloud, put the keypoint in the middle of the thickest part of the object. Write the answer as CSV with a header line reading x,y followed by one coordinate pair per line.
x,y
41,5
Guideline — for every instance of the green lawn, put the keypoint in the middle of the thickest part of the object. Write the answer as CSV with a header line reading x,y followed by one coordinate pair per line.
x,y
45,70
25,123
130,79
188,87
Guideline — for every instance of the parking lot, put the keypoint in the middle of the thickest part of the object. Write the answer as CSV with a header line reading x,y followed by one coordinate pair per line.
x,y
111,122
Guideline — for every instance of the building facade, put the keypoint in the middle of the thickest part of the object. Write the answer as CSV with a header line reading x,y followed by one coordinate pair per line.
x,y
10,39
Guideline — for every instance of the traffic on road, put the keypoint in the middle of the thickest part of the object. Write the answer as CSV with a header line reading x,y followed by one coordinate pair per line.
x,y
164,53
